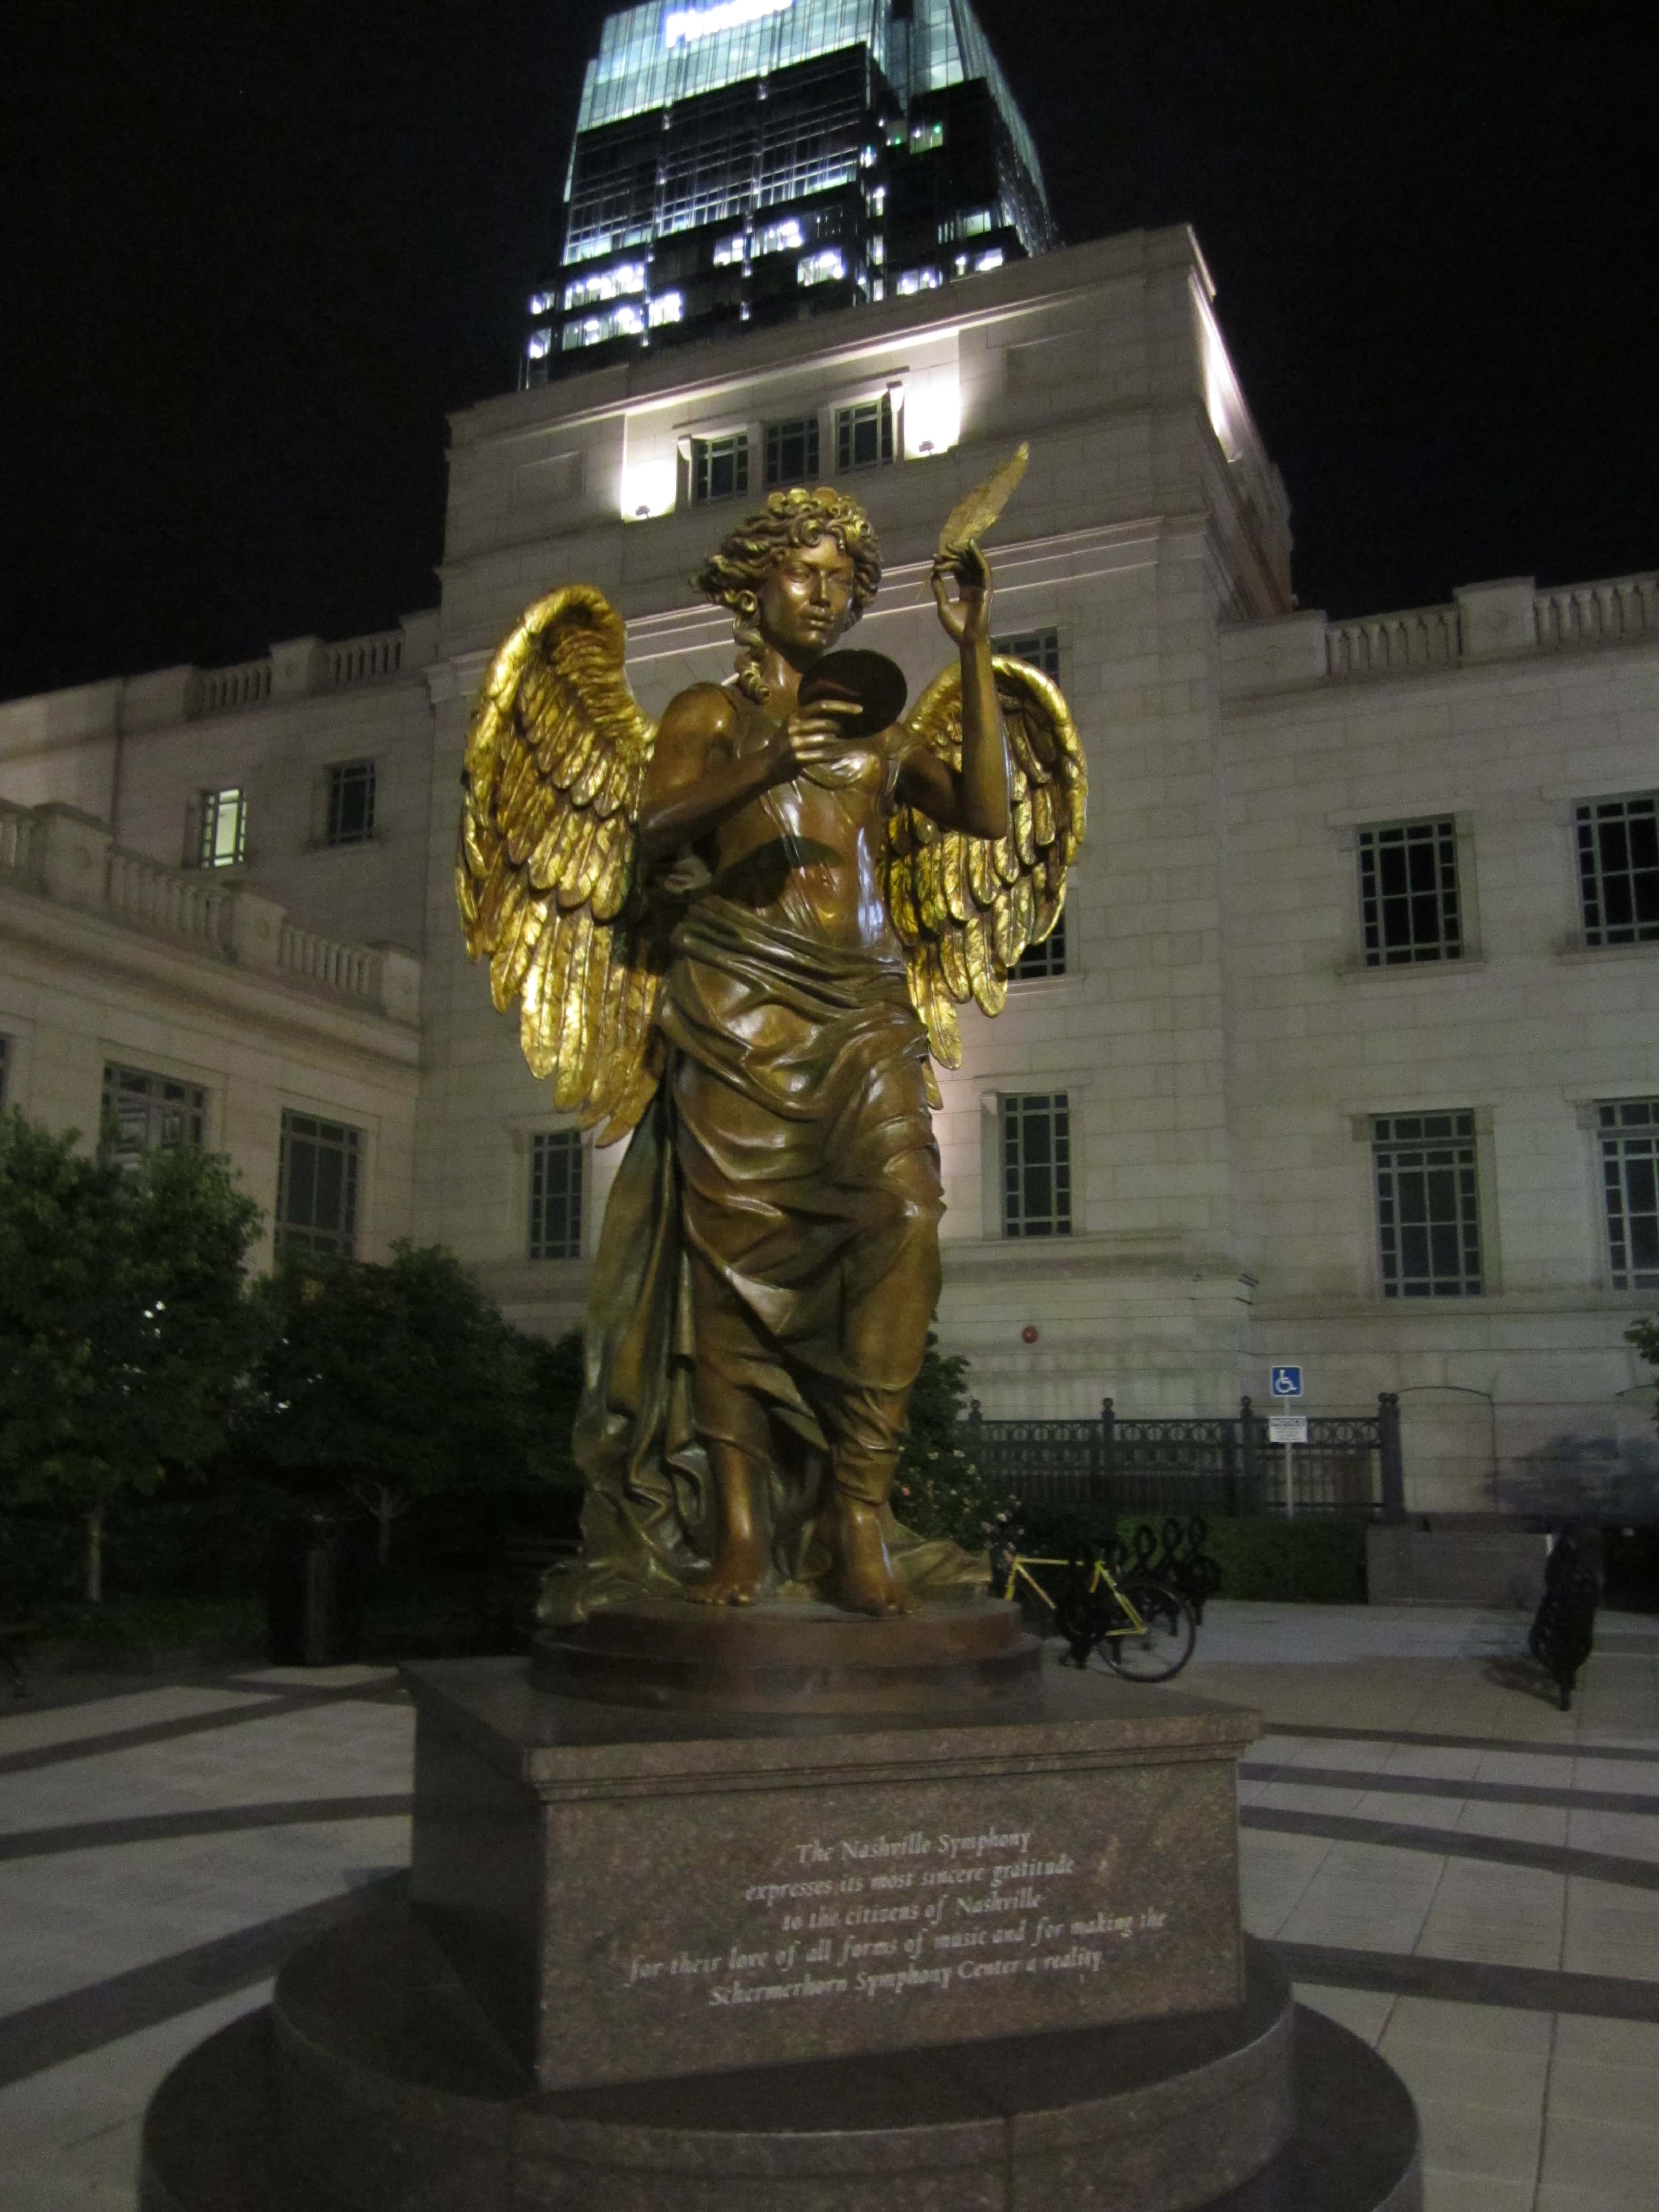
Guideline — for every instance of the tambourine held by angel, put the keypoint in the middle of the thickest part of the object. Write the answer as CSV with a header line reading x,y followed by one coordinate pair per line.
x,y
739,938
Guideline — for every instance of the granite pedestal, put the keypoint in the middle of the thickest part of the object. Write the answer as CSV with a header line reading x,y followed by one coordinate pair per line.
x,y
626,1892
673,1960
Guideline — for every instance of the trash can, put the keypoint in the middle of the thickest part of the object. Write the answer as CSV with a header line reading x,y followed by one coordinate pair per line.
x,y
314,1614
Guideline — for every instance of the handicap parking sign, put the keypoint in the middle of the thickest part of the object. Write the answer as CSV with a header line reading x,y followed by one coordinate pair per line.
x,y
1287,1383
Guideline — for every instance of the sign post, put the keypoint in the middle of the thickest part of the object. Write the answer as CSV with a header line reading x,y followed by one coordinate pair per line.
x,y
1289,1430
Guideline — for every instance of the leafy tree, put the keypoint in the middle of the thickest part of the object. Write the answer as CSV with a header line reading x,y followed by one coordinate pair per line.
x,y
396,1381
124,1325
938,1490
1644,1335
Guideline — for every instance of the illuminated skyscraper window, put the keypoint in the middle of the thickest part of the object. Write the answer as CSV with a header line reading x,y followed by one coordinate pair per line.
x,y
752,159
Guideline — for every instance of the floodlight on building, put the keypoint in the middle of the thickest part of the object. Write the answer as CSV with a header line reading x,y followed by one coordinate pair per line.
x,y
648,488
932,412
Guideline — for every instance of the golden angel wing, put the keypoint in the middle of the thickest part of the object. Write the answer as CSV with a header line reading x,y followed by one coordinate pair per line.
x,y
545,873
966,908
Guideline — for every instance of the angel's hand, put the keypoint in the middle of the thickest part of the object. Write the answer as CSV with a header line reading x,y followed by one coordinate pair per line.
x,y
812,735
967,619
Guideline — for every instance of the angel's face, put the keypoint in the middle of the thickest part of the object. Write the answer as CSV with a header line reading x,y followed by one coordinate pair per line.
x,y
806,600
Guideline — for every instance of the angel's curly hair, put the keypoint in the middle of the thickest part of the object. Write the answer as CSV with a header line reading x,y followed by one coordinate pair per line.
x,y
731,577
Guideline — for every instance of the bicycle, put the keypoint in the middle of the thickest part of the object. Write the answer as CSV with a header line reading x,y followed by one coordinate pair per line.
x,y
1144,1630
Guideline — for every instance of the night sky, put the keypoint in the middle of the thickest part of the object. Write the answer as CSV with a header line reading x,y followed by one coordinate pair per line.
x,y
254,258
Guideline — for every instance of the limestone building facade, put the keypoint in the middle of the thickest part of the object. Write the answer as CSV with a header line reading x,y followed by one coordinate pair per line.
x,y
1349,1055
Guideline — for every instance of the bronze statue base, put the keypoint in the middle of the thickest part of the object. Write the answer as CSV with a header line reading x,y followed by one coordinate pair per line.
x,y
373,2084
955,1659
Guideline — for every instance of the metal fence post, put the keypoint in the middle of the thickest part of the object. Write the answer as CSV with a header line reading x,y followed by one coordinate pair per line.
x,y
1246,1456
1230,1442
1394,1468
1102,1488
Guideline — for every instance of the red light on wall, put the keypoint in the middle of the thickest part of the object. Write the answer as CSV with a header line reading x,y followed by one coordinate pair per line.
x,y
1029,1333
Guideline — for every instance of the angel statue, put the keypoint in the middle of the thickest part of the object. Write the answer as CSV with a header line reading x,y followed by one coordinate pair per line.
x,y
739,933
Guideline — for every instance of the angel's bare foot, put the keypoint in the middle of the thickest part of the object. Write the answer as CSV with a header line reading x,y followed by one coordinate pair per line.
x,y
736,1577
740,1567
864,1581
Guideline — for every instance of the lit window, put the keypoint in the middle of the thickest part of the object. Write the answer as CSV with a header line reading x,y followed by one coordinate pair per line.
x,y
350,816
918,280
541,303
555,1195
1037,648
144,1113
317,1172
989,260
924,137
667,308
719,466
1409,902
786,237
822,267
628,277
791,450
1619,869
1428,1208
1630,1189
729,250
1040,961
1036,1165
877,199
537,345
222,833
877,251
863,433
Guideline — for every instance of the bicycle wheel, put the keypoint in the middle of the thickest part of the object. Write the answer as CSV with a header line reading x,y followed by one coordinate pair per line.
x,y
1159,1649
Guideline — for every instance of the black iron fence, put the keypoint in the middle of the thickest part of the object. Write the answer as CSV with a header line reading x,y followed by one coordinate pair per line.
x,y
1227,1465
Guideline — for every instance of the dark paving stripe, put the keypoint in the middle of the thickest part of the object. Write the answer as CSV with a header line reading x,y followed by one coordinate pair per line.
x,y
1432,1785
1322,1735
224,1819
1457,1844
84,2019
265,1708
1465,1981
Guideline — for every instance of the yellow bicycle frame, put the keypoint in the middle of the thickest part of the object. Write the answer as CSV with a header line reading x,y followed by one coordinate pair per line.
x,y
1019,1570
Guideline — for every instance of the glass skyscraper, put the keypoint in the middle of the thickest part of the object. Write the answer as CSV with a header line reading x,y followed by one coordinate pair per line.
x,y
752,161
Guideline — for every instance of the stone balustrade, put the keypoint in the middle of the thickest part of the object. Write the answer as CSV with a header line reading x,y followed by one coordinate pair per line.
x,y
1503,620
58,853
299,668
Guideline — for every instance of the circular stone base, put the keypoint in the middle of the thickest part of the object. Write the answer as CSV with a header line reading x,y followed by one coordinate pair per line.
x,y
954,1656
372,2085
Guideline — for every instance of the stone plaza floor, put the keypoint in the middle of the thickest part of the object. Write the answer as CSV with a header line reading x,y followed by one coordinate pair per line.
x,y
1448,1866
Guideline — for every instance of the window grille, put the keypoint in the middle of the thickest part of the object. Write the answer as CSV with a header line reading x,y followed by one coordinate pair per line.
x,y
1428,1206
222,833
1039,648
863,433
316,1177
1036,1165
1038,961
1619,869
1628,1129
1408,904
719,466
791,450
555,1195
350,819
145,1112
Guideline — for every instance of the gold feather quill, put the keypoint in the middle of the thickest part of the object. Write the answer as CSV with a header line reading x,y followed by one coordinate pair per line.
x,y
971,517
